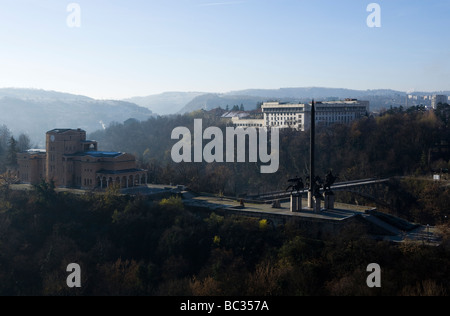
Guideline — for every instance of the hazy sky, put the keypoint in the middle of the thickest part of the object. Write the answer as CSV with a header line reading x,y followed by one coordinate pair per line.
x,y
126,48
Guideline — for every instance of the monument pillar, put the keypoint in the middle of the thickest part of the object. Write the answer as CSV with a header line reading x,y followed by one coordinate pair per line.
x,y
311,192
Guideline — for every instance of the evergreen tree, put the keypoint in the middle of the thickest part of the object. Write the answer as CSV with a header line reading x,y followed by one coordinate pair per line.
x,y
5,135
11,156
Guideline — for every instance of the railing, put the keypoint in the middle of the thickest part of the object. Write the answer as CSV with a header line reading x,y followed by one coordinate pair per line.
x,y
341,186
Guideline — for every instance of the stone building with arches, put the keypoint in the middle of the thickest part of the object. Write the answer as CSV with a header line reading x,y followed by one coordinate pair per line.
x,y
72,161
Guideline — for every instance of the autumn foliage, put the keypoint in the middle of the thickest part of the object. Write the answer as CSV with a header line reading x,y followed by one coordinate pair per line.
x,y
135,246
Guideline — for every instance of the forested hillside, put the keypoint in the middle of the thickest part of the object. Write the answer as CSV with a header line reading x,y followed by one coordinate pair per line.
x,y
133,246
398,143
129,245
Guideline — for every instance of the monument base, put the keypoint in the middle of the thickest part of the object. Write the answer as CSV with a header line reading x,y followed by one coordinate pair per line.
x,y
314,203
296,203
329,200
311,203
317,201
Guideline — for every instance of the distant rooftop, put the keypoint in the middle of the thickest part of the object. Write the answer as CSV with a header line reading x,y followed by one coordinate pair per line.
x,y
97,154
281,105
115,172
65,130
235,114
102,154
36,151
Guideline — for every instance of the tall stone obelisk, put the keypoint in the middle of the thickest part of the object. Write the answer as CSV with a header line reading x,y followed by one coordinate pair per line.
x,y
312,158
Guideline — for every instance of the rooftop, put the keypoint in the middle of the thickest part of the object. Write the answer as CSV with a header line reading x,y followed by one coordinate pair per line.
x,y
115,172
97,154
36,151
282,105
233,114
64,130
102,154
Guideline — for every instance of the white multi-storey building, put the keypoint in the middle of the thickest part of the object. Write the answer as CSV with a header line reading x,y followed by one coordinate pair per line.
x,y
285,115
298,116
436,99
343,112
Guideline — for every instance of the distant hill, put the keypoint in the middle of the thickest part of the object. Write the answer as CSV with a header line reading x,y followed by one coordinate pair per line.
x,y
34,112
249,98
213,100
379,98
41,95
37,111
185,102
313,92
165,103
